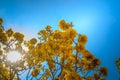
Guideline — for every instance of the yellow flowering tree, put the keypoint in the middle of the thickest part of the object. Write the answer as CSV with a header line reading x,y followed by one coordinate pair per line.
x,y
61,55
55,55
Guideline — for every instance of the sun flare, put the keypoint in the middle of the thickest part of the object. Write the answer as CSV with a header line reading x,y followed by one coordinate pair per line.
x,y
13,56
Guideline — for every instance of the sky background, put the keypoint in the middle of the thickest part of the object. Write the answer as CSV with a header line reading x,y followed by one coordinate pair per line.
x,y
98,19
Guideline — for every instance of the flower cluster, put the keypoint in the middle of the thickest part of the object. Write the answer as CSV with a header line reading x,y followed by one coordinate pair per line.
x,y
55,54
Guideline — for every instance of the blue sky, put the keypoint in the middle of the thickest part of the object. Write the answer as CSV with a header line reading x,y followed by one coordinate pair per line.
x,y
98,19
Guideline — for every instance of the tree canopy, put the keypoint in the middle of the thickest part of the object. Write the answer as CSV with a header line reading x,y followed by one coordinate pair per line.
x,y
54,55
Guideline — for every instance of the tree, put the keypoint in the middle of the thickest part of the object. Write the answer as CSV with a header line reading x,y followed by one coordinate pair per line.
x,y
55,54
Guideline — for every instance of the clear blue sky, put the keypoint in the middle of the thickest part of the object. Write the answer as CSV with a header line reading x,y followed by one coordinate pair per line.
x,y
98,19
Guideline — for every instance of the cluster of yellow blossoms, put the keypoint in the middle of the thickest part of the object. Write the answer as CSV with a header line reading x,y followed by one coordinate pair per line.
x,y
1,20
61,49
64,26
56,54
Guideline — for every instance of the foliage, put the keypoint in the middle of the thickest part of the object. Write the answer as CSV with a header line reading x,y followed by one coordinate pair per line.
x,y
55,54
1,20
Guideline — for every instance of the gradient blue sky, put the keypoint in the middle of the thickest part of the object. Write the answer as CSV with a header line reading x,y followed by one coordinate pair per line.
x,y
98,19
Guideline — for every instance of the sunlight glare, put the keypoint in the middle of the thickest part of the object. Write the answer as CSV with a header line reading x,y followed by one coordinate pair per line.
x,y
13,56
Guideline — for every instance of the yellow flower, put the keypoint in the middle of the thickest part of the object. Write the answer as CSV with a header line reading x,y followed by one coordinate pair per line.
x,y
17,79
71,33
48,28
104,71
50,38
3,38
69,42
102,79
47,72
90,78
1,30
51,65
9,32
57,34
42,32
80,48
82,39
63,25
72,76
87,55
35,72
1,20
90,65
71,58
96,62
18,36
96,76
33,41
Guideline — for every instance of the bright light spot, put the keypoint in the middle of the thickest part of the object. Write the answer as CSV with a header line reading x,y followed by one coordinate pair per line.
x,y
85,22
13,56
